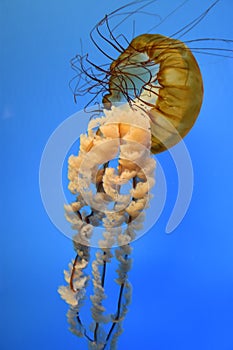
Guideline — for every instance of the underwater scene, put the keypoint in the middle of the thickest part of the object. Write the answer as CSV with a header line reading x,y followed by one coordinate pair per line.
x,y
116,151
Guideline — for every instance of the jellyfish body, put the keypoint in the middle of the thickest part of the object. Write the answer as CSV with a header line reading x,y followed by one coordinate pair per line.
x,y
161,75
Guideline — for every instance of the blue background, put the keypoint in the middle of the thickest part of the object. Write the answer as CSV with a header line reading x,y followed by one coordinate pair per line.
x,y
183,282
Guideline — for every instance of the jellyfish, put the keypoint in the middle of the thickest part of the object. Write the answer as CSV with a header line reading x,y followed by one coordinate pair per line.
x,y
151,95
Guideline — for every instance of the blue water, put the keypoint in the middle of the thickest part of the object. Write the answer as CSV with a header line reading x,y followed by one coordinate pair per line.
x,y
182,282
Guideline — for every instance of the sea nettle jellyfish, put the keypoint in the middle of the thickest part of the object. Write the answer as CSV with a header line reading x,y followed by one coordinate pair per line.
x,y
151,96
